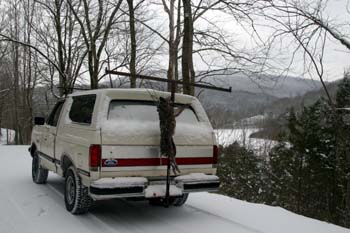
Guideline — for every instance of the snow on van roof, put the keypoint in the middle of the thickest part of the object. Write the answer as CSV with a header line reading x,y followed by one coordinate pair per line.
x,y
126,90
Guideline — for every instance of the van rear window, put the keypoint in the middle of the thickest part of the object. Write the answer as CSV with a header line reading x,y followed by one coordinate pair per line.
x,y
144,111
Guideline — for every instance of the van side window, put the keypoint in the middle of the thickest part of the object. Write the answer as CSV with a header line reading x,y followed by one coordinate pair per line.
x,y
82,109
55,114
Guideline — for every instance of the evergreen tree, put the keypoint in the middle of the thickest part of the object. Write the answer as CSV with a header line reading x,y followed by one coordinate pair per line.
x,y
311,174
284,175
241,173
343,93
343,143
308,172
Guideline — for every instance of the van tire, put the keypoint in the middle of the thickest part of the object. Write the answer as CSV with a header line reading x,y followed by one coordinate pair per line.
x,y
76,195
39,174
180,201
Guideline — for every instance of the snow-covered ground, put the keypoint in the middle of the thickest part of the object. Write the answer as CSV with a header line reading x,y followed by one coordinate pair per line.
x,y
4,138
242,136
26,207
250,121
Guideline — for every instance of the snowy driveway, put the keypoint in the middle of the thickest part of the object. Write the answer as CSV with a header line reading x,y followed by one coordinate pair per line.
x,y
28,207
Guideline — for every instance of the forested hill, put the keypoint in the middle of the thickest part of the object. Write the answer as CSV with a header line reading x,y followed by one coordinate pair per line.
x,y
252,95
281,105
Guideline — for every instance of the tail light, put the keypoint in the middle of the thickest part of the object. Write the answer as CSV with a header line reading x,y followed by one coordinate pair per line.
x,y
95,156
215,154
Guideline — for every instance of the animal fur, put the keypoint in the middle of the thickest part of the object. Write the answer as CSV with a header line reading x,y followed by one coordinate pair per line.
x,y
167,121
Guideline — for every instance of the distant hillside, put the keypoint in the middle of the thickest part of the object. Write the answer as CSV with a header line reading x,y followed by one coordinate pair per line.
x,y
277,86
251,96
277,111
282,105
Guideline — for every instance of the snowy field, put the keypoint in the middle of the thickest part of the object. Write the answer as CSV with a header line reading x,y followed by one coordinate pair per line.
x,y
26,207
242,136
4,138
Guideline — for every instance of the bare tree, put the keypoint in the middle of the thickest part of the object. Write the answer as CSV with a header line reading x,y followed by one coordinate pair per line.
x,y
23,70
303,24
64,44
174,38
96,19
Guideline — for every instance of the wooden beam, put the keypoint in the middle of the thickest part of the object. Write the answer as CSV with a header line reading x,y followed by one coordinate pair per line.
x,y
140,76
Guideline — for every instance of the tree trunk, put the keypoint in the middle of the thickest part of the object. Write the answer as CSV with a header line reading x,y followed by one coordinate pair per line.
x,y
133,44
93,68
188,73
62,79
172,52
16,80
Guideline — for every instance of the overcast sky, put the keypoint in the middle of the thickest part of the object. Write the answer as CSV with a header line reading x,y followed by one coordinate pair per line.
x,y
336,58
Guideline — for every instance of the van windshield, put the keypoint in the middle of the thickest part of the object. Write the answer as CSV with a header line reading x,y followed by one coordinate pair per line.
x,y
144,111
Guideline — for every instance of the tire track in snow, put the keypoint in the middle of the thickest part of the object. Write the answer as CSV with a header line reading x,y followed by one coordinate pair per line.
x,y
12,209
140,217
184,211
226,219
92,217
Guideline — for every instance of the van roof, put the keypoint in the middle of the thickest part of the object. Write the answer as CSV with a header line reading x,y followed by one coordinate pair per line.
x,y
138,93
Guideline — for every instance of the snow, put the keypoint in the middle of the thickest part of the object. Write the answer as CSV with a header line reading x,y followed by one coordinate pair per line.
x,y
138,111
260,217
103,112
196,177
141,130
30,208
4,136
149,95
141,123
242,136
105,183
160,190
250,121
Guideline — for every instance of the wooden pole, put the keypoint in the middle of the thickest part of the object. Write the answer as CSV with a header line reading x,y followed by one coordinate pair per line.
x,y
167,191
140,76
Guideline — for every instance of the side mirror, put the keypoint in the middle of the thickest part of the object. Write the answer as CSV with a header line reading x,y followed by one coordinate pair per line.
x,y
39,120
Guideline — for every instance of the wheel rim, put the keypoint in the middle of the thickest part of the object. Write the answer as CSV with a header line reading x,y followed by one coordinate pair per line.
x,y
70,190
35,167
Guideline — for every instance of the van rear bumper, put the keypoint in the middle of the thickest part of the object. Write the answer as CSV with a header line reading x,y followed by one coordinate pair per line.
x,y
149,172
122,187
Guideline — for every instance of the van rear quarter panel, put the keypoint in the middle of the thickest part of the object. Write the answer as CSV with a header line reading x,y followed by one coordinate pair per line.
x,y
74,139
37,134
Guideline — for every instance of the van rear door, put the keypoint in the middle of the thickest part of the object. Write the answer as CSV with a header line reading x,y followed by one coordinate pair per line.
x,y
131,138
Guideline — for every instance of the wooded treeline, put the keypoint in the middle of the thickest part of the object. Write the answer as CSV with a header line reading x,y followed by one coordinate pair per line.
x,y
307,172
65,43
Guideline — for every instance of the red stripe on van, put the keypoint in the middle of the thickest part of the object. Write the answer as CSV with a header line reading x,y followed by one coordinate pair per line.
x,y
156,161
